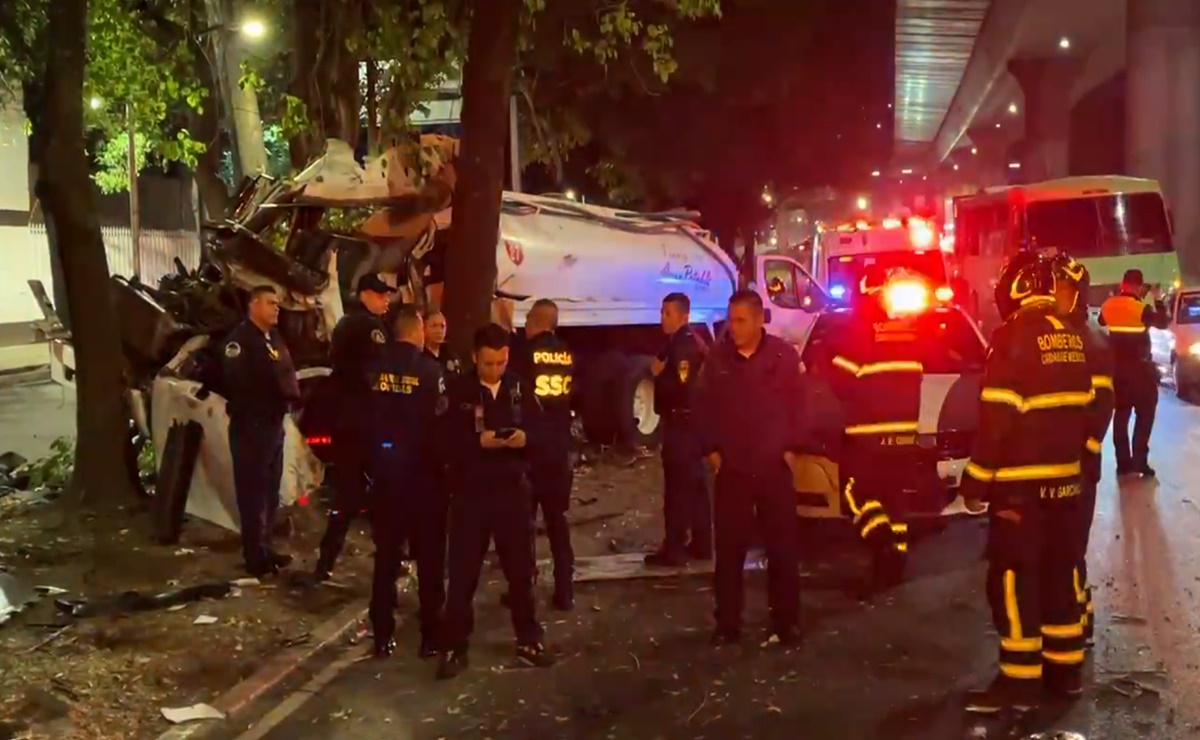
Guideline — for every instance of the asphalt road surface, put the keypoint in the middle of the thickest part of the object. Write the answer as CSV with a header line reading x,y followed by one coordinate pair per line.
x,y
636,662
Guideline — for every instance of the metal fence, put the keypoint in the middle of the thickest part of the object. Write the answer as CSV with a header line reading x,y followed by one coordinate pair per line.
x,y
159,250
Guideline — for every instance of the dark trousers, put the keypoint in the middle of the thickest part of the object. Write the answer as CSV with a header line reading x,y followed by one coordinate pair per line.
x,y
257,450
408,509
551,479
348,477
1083,587
742,500
1034,550
481,511
1136,393
687,510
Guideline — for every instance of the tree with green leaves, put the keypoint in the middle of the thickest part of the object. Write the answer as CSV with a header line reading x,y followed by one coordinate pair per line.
x,y
112,65
48,54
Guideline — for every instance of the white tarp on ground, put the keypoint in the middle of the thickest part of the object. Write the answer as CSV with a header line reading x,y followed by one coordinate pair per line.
x,y
211,495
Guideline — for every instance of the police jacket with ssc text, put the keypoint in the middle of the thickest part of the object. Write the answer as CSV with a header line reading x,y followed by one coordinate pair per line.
x,y
1035,410
548,368
750,409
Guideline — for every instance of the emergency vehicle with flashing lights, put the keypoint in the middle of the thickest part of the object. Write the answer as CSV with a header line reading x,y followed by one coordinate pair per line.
x,y
944,339
843,256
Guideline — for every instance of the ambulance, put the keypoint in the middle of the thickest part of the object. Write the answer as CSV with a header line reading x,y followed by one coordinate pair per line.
x,y
852,252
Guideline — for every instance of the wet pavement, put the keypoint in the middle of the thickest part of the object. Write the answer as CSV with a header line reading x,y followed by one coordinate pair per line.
x,y
636,661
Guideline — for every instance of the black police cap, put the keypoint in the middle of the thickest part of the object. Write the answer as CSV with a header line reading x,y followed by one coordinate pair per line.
x,y
373,283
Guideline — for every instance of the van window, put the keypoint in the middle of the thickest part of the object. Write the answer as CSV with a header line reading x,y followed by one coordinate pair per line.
x,y
786,286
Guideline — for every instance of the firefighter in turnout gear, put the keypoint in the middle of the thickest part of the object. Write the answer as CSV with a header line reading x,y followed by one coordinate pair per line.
x,y
879,385
1035,419
1073,284
1135,378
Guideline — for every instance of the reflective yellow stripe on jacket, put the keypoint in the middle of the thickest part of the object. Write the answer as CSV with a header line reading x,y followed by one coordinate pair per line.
x,y
875,368
1039,402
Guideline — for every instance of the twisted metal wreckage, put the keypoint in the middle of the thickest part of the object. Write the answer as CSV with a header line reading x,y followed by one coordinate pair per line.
x,y
280,234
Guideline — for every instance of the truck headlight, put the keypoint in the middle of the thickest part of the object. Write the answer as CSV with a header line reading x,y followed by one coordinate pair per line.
x,y
1194,350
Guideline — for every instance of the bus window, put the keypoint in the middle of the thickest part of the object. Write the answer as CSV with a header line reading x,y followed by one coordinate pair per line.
x,y
993,231
1095,227
966,232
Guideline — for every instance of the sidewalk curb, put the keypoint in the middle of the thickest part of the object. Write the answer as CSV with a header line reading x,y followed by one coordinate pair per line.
x,y
237,699
24,376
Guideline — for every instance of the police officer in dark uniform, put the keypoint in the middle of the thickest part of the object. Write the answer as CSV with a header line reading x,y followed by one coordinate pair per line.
x,y
487,433
548,367
260,386
1135,378
408,393
687,511
1073,284
878,383
1035,420
436,347
358,341
751,423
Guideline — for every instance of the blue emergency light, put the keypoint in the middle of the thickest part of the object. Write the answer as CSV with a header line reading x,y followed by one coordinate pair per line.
x,y
837,291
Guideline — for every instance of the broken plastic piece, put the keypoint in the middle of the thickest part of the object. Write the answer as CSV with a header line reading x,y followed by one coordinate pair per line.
x,y
178,715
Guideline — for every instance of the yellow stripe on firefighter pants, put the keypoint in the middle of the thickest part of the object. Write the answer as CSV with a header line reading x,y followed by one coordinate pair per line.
x,y
1016,641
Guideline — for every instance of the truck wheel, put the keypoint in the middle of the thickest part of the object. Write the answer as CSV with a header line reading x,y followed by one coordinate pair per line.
x,y
634,403
617,401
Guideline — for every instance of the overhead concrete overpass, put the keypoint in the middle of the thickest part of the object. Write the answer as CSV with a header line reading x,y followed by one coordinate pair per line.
x,y
1000,91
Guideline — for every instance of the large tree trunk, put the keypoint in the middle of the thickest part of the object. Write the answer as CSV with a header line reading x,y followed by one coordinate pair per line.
x,y
205,124
486,88
63,187
325,75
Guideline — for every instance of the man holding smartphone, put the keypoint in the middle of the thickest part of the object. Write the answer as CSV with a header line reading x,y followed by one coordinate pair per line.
x,y
486,440
1129,319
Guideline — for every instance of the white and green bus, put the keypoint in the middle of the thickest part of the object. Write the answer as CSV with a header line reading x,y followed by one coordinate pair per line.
x,y
1110,223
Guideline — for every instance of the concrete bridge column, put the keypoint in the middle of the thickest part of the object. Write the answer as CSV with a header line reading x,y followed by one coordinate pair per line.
x,y
1163,110
1046,83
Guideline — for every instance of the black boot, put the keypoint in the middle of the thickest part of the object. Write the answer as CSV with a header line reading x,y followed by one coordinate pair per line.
x,y
534,655
453,663
1002,694
429,648
384,647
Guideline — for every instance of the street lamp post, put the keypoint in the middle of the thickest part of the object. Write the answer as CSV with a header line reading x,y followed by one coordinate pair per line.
x,y
135,216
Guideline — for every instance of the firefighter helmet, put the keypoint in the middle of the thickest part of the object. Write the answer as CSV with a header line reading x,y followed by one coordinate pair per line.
x,y
1073,275
1026,277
